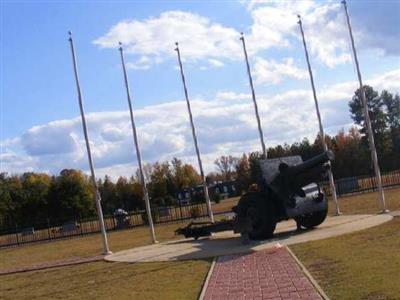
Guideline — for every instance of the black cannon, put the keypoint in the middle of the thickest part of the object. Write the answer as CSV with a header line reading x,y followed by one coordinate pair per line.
x,y
289,189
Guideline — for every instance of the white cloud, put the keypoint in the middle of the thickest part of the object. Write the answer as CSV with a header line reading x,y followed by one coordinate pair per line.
x,y
227,95
323,24
216,63
273,25
143,63
272,72
154,38
225,125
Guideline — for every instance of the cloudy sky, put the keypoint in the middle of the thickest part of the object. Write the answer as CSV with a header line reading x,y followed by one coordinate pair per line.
x,y
40,123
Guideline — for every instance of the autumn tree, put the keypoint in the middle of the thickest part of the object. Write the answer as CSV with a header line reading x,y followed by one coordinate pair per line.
x,y
226,166
243,173
184,175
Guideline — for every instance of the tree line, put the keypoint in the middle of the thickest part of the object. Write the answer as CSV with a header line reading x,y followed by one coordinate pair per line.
x,y
36,197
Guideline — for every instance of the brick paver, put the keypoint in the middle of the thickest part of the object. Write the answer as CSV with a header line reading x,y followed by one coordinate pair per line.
x,y
268,274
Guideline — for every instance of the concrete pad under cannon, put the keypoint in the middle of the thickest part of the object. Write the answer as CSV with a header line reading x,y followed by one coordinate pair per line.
x,y
227,242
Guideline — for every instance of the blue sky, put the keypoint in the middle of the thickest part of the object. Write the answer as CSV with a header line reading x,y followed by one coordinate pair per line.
x,y
40,130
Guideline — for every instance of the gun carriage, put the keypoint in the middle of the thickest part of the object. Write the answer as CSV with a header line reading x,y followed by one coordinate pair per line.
x,y
289,189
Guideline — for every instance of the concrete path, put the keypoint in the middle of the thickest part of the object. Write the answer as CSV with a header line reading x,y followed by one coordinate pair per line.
x,y
224,243
267,274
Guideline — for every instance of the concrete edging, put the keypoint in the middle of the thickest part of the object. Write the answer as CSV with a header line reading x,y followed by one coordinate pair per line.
x,y
308,274
205,284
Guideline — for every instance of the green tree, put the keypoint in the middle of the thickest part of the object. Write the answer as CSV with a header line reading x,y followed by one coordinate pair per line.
x,y
379,121
161,186
35,189
255,167
71,195
108,194
11,196
392,104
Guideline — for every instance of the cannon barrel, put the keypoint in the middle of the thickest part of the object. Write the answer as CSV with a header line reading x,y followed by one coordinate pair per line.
x,y
293,178
310,164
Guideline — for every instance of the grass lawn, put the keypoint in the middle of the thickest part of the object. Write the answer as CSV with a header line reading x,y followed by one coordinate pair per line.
x,y
82,247
225,205
102,280
360,265
368,203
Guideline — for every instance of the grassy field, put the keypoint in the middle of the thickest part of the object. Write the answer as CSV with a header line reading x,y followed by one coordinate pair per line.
x,y
367,203
102,280
82,247
361,265
225,205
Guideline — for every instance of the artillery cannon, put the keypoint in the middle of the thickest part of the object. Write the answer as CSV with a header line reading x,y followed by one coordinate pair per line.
x,y
288,190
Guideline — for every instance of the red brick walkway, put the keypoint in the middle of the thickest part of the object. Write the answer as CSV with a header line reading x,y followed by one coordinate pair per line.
x,y
268,274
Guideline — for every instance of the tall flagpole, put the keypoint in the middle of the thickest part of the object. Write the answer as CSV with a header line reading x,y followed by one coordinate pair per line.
x,y
253,94
138,155
205,188
321,128
371,140
106,250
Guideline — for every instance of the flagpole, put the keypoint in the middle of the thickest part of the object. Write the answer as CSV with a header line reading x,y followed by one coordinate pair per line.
x,y
253,94
205,188
106,249
321,128
138,154
371,140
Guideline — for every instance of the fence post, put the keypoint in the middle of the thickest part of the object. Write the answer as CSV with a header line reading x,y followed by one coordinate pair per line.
x,y
180,208
48,229
372,183
80,225
16,233
339,190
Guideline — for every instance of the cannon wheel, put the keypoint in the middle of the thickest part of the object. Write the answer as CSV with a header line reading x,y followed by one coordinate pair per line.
x,y
260,214
312,220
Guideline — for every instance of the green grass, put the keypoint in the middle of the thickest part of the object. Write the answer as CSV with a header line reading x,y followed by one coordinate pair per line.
x,y
102,280
82,247
361,265
367,203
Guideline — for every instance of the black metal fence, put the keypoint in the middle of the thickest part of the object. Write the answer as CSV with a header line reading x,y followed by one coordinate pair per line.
x,y
72,227
360,184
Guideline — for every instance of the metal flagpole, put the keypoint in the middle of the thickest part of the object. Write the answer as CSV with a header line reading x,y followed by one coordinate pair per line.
x,y
139,157
321,128
205,188
264,150
106,250
374,155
